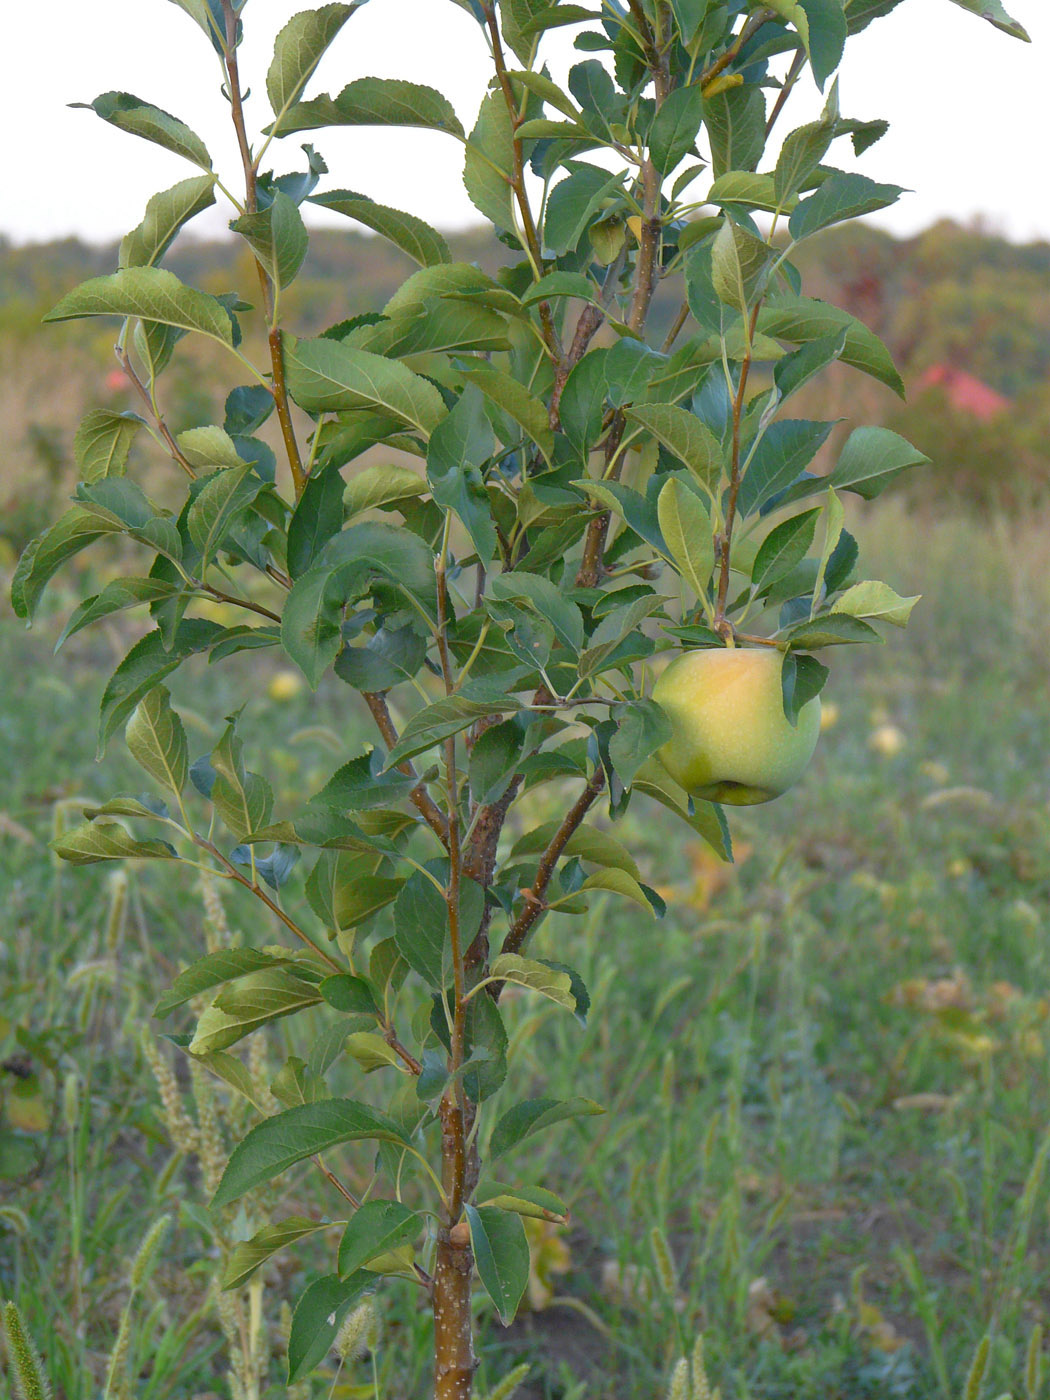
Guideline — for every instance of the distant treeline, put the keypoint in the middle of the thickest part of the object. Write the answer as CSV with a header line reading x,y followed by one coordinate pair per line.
x,y
952,303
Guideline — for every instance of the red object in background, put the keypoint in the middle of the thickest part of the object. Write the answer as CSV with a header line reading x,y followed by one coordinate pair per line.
x,y
965,392
115,381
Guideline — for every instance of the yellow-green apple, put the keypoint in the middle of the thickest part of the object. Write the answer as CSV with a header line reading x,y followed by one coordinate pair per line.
x,y
731,741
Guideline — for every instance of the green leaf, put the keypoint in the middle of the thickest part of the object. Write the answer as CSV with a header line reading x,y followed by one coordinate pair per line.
x,y
156,740
370,556
828,630
617,882
688,535
675,127
583,401
298,50
494,759
743,187
208,15
542,597
44,556
414,237
833,522
798,368
802,319
533,1116
375,1228
787,447
326,377
871,459
841,196
145,666
215,507
255,1000
736,126
165,215
381,485
318,516
95,841
121,593
208,447
537,976
641,728
875,602
374,102
513,399
277,236
826,34
459,446
488,163
532,1202
213,970
244,800
249,1254
993,12
286,1138
152,293
318,1316
573,204
802,151
802,679
539,84
421,925
130,113
589,843
738,261
351,995
786,545
501,1253
103,442
705,818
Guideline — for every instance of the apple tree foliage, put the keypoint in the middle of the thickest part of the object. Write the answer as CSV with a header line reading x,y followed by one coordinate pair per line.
x,y
494,501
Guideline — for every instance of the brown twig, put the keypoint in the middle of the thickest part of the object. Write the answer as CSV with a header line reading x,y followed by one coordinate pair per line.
x,y
791,77
734,476
233,873
158,420
517,182
251,205
676,326
534,905
751,28
419,797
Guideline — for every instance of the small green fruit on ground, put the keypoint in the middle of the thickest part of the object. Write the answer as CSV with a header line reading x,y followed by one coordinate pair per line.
x,y
731,740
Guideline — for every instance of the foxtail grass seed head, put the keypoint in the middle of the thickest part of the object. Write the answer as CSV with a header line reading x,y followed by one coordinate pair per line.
x,y
665,1269
212,1150
679,1387
216,928
701,1385
978,1367
71,1102
508,1386
118,1358
118,906
1033,1370
181,1129
351,1340
259,1069
27,1370
147,1252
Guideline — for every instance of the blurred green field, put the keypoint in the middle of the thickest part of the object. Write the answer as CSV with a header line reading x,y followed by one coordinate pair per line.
x,y
826,1068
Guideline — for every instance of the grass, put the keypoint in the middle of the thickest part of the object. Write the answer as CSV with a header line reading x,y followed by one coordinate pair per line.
x,y
826,1069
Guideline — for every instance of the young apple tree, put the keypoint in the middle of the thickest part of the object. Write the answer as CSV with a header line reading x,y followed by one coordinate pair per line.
x,y
499,504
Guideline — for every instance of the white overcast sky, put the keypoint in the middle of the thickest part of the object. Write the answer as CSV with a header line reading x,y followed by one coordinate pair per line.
x,y
968,108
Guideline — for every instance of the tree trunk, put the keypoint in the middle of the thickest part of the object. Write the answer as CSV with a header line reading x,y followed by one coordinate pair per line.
x,y
454,1362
